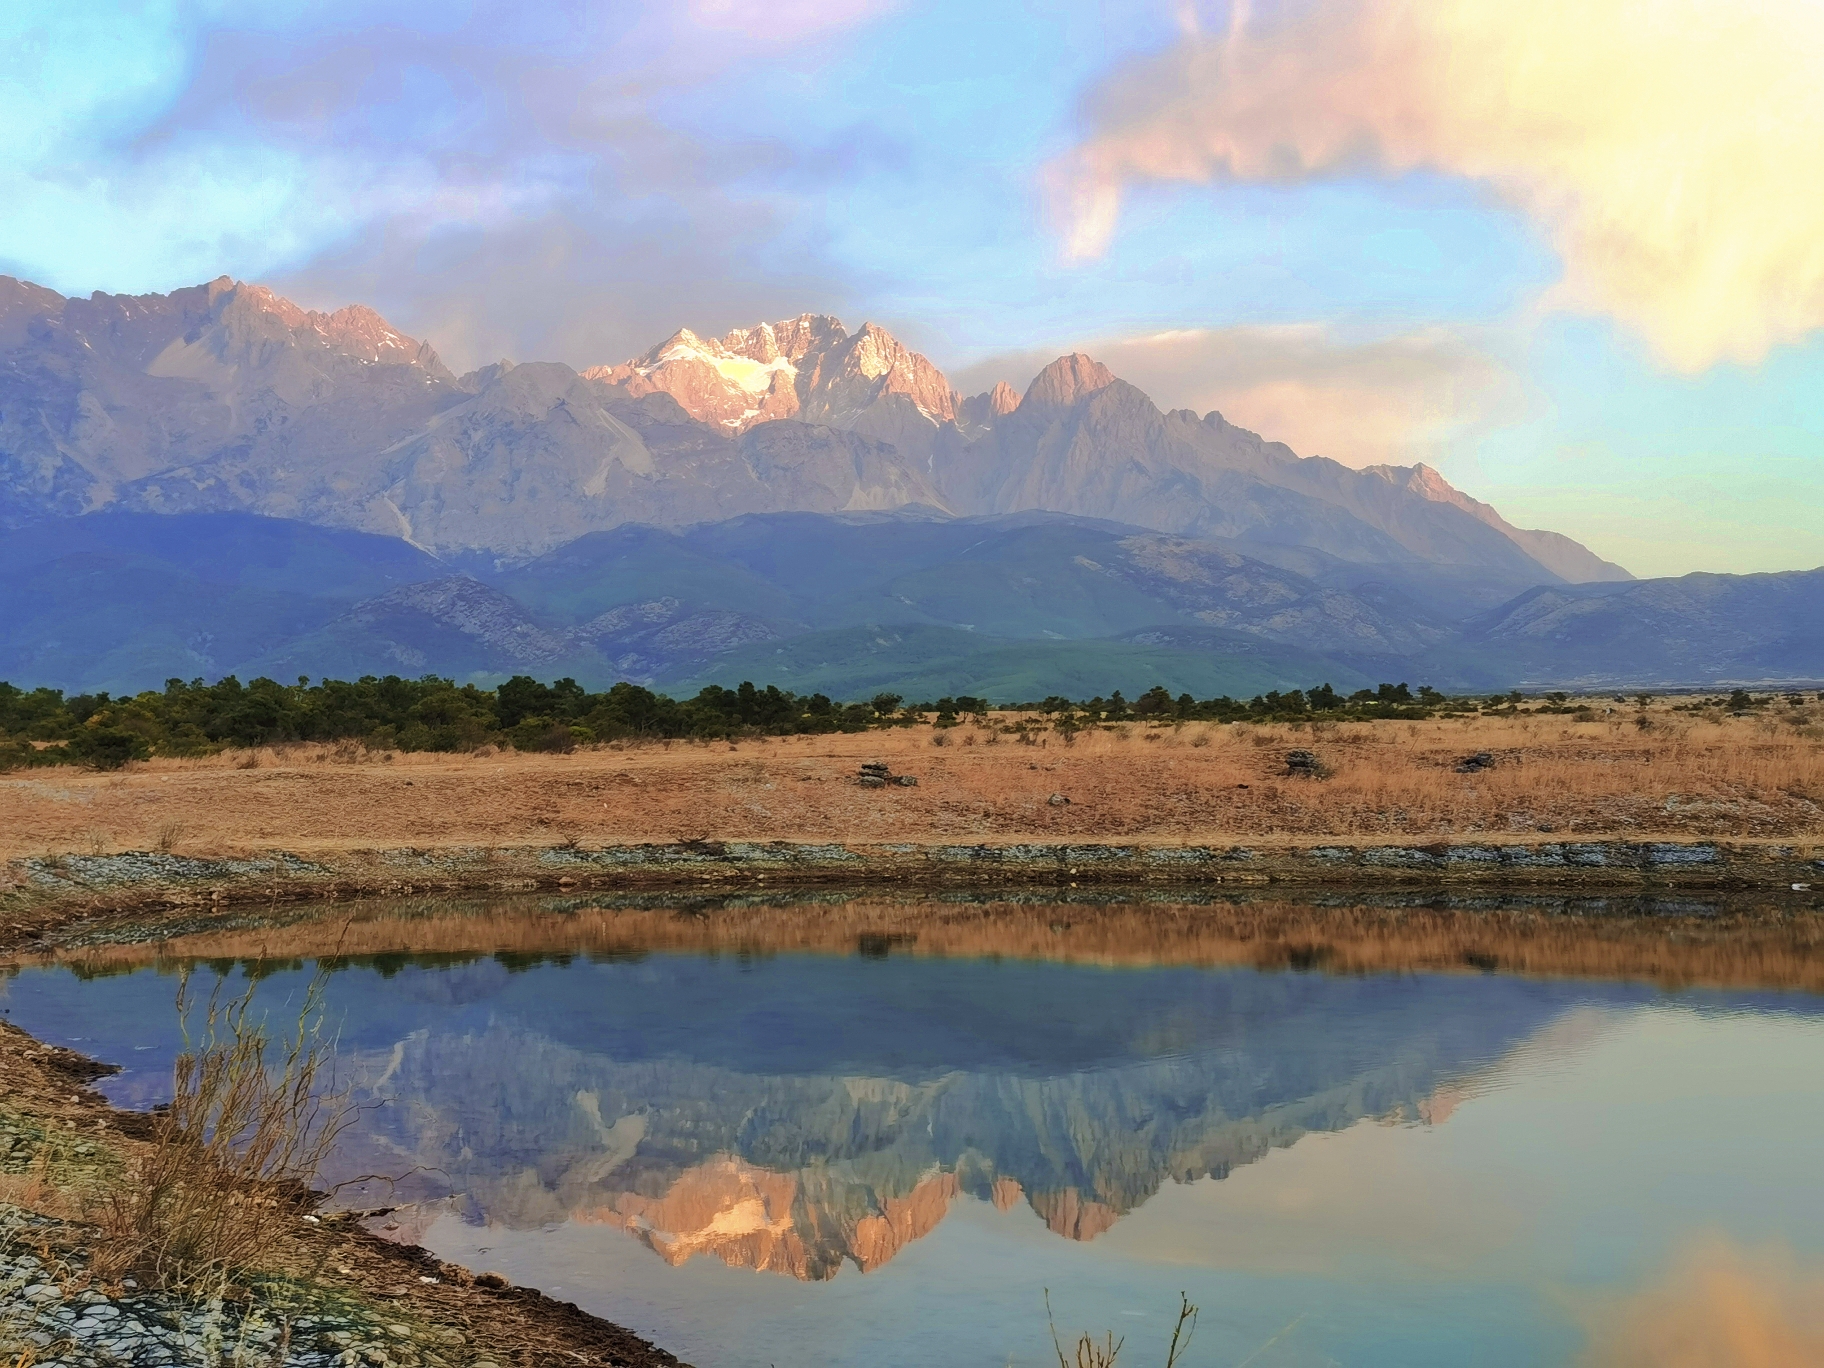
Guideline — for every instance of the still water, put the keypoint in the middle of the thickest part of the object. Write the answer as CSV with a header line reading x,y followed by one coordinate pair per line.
x,y
887,1157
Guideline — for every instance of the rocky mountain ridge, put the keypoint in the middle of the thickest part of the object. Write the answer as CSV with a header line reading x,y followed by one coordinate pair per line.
x,y
227,397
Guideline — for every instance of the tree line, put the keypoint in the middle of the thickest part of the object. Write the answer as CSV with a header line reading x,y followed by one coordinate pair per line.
x,y
46,727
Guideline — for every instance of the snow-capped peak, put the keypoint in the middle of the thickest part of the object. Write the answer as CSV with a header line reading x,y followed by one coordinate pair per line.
x,y
809,366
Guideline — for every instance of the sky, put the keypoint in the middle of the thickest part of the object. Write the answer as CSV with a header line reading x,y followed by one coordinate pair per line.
x,y
1571,253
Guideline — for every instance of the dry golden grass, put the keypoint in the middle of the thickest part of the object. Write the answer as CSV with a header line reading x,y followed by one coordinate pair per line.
x,y
1757,776
1745,948
227,1174
333,1266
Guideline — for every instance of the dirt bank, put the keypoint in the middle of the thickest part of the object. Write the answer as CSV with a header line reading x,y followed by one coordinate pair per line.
x,y
388,1303
47,898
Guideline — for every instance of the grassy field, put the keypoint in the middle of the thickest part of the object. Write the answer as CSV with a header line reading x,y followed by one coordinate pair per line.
x,y
1625,772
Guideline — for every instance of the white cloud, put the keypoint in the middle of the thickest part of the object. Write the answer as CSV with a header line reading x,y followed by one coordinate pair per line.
x,y
1672,150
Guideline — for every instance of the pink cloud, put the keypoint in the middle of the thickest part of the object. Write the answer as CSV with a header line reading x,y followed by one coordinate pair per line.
x,y
1671,151
783,22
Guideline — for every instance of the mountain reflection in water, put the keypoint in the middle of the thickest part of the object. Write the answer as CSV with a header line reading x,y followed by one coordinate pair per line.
x,y
792,1111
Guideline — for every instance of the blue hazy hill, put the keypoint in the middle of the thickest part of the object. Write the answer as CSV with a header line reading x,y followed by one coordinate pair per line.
x,y
1007,607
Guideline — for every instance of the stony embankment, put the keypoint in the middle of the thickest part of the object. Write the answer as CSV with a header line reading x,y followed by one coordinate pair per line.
x,y
334,1293
60,1320
53,1316
145,879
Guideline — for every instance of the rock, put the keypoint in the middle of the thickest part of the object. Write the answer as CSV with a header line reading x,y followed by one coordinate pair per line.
x,y
1058,800
1474,764
876,774
1305,764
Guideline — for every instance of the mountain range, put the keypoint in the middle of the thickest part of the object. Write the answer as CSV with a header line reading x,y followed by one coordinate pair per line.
x,y
236,483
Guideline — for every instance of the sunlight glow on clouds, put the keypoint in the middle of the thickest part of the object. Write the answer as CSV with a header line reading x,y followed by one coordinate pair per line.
x,y
1362,401
1672,151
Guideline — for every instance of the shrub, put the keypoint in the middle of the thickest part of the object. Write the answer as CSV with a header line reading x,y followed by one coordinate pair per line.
x,y
233,1154
108,748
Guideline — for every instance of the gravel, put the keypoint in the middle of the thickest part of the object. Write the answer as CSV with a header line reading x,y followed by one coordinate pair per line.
x,y
49,1316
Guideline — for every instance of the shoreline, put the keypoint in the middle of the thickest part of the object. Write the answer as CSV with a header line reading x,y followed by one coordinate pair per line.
x,y
396,1300
39,895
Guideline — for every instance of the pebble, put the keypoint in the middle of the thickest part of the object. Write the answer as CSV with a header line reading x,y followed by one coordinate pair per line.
x,y
88,1329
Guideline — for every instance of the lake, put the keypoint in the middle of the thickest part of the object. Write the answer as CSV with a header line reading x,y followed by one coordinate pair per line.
x,y
799,1145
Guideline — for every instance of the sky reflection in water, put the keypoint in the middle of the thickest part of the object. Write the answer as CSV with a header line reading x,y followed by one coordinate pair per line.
x,y
1400,1168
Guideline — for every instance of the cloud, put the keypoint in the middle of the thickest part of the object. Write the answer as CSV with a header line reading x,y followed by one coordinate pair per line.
x,y
559,179
1717,1304
1671,151
1392,399
787,21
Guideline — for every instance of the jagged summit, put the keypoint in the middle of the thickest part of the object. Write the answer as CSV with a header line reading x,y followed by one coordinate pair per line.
x,y
978,412
223,316
809,367
1065,381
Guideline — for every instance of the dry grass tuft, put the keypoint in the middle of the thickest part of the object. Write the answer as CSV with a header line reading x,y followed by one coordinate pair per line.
x,y
228,1171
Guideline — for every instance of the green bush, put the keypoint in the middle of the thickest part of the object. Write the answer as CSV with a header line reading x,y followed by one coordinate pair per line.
x,y
107,747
